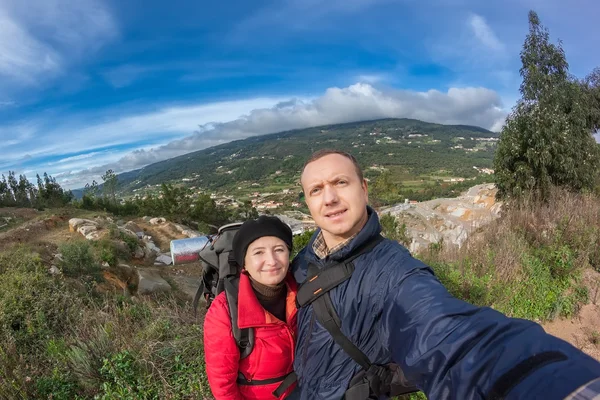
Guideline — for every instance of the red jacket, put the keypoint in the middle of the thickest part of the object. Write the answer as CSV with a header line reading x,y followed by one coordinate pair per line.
x,y
273,352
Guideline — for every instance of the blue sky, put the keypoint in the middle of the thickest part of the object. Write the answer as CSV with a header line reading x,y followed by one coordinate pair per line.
x,y
89,85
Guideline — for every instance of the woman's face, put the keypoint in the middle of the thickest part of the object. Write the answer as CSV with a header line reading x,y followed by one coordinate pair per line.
x,y
267,260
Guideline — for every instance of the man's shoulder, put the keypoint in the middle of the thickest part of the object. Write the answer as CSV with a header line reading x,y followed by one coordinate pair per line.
x,y
298,265
391,255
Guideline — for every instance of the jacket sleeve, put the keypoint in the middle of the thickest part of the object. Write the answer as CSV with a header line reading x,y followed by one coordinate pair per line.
x,y
453,350
221,352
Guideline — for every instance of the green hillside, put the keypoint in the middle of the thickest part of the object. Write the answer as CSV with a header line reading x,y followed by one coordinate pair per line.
x,y
412,149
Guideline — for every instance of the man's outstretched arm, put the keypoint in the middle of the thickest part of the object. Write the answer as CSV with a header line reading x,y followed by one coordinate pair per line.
x,y
454,350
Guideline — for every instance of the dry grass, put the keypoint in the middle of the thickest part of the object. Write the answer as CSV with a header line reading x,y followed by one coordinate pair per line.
x,y
534,246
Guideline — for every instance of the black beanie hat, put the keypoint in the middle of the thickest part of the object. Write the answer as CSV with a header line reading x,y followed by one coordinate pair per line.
x,y
254,229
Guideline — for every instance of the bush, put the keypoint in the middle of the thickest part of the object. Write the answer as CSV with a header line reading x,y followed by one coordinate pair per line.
x,y
36,309
78,258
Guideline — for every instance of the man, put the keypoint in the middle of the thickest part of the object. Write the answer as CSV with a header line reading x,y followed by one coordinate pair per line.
x,y
395,311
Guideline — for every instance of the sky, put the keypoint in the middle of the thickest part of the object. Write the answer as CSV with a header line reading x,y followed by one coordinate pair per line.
x,y
91,85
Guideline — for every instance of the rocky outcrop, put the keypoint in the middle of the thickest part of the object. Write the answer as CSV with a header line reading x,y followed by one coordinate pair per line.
x,y
450,219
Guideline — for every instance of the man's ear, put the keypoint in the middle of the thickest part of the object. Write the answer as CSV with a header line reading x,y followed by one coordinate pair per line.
x,y
365,187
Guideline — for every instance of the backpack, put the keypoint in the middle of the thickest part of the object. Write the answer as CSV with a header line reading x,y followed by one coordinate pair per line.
x,y
221,273
373,380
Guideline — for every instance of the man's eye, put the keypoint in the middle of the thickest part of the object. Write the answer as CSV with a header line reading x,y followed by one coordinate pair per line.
x,y
314,191
257,253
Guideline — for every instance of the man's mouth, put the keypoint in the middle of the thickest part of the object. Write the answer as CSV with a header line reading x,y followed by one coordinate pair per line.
x,y
335,214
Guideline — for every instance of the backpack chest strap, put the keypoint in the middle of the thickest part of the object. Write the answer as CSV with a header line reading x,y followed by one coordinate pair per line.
x,y
321,283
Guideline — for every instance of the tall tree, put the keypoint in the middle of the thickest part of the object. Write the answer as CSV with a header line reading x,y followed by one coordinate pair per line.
x,y
110,186
591,87
546,140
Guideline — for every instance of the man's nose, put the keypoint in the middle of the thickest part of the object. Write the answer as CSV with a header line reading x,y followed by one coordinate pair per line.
x,y
330,195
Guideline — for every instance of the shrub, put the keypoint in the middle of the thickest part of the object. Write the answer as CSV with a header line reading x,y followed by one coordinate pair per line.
x,y
78,258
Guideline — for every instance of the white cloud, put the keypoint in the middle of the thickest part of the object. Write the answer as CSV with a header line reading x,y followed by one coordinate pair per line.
x,y
473,106
39,45
484,33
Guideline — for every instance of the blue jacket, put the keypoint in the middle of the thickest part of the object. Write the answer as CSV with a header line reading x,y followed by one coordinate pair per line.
x,y
395,310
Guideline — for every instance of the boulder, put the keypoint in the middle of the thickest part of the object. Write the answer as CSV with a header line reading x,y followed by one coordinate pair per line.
x,y
132,226
184,230
163,259
121,247
150,281
129,233
157,221
74,223
95,235
87,229
146,218
151,248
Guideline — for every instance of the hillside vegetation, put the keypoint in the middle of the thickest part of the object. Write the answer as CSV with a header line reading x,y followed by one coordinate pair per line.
x,y
411,148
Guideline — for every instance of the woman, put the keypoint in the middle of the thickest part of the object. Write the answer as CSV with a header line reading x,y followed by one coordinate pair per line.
x,y
266,303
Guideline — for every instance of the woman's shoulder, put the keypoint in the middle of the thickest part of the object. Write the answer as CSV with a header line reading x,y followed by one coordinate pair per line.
x,y
219,307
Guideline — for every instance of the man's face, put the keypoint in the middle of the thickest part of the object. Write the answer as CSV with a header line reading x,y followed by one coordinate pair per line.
x,y
336,197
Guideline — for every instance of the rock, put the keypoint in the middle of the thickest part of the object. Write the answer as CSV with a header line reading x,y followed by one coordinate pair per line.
x,y
120,222
58,257
146,218
164,259
95,235
151,248
184,230
138,253
121,247
105,265
86,229
129,232
151,282
157,221
132,226
54,270
74,223
147,238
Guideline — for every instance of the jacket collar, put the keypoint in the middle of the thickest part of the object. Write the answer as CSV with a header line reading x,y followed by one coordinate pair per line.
x,y
252,314
372,228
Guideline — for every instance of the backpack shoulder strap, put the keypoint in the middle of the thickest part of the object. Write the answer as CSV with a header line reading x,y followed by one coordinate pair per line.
x,y
320,282
243,337
328,317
